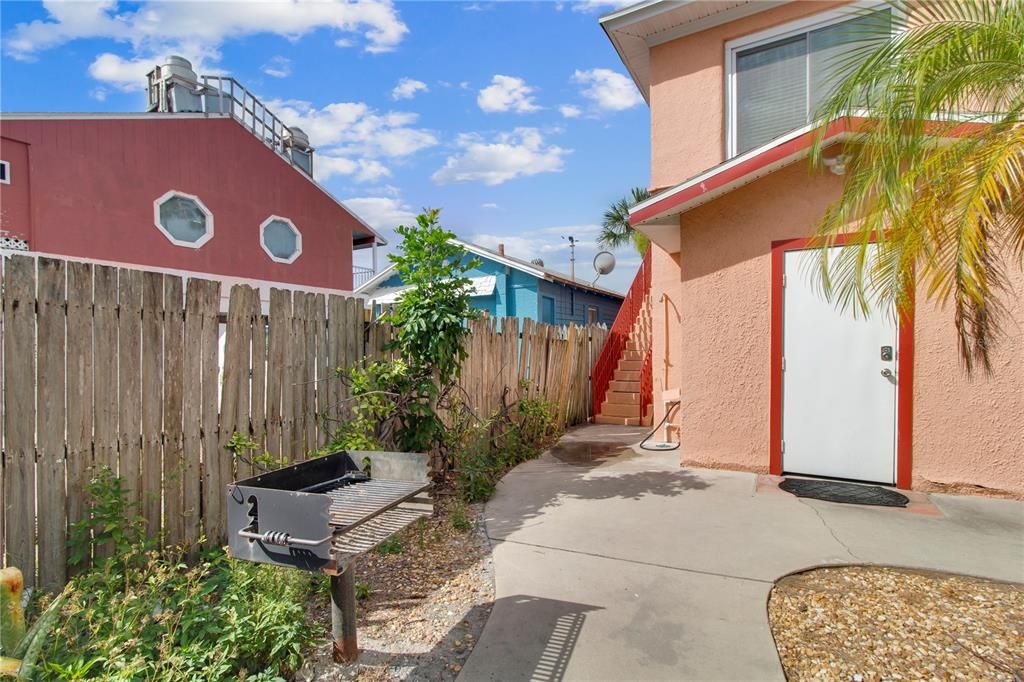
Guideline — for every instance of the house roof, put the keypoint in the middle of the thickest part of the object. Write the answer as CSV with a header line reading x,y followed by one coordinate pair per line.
x,y
359,240
658,217
634,30
537,271
478,286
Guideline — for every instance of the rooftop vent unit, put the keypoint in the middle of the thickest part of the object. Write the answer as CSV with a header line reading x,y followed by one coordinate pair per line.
x,y
173,87
296,142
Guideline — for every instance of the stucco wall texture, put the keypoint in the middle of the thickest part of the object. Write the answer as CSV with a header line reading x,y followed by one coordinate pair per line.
x,y
687,93
966,432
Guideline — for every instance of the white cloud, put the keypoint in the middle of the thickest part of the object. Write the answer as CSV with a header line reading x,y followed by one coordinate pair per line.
x,y
519,153
608,89
599,5
98,94
507,93
570,111
489,205
278,67
382,213
407,88
354,128
327,166
195,30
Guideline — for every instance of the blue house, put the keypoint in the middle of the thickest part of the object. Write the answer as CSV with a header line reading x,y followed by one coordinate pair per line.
x,y
504,286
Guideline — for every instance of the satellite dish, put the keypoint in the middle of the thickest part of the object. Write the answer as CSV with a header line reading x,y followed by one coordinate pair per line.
x,y
604,262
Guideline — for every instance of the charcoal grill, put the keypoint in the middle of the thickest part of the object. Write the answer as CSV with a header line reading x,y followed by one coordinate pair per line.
x,y
319,515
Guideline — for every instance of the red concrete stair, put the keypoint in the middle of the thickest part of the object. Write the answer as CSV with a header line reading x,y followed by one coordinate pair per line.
x,y
622,401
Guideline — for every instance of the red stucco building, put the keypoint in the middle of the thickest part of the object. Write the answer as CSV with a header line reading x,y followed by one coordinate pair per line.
x,y
210,191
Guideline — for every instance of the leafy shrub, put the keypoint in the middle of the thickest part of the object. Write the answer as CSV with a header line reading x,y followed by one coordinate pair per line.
x,y
457,515
363,590
391,545
484,452
140,615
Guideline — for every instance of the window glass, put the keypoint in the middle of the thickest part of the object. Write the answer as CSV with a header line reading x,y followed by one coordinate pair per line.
x,y
773,95
837,50
183,219
771,91
280,239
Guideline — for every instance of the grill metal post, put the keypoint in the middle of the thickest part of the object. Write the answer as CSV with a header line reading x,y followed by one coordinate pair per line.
x,y
343,615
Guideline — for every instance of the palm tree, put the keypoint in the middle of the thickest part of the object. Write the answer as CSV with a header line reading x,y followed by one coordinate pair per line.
x,y
615,228
935,172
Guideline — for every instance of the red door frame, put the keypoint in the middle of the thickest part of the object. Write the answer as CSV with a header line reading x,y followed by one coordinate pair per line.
x,y
904,372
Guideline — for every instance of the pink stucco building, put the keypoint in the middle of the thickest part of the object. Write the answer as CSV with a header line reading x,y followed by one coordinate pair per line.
x,y
769,378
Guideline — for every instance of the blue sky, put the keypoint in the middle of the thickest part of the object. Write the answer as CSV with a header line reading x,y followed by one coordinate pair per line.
x,y
516,118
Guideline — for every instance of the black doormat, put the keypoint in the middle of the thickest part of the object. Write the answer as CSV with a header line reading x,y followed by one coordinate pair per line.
x,y
846,493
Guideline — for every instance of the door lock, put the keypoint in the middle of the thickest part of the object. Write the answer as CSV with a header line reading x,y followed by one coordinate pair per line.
x,y
887,373
886,353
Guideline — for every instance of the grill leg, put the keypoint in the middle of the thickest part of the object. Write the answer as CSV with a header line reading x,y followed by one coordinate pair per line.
x,y
343,615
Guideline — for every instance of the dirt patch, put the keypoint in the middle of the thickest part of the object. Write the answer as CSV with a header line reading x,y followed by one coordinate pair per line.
x,y
865,623
427,604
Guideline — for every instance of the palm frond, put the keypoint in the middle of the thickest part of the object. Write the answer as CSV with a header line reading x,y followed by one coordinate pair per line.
x,y
935,176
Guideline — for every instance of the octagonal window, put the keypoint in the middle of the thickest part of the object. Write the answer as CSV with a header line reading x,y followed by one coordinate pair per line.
x,y
183,219
280,239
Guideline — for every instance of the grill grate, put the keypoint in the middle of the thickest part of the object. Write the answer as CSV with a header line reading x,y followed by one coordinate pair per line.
x,y
353,505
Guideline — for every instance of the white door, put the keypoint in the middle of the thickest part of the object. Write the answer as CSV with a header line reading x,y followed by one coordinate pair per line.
x,y
838,385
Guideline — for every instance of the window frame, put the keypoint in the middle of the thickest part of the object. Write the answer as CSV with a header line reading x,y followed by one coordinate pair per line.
x,y
770,35
597,314
157,203
6,179
298,239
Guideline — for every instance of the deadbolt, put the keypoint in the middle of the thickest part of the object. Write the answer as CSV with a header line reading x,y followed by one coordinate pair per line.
x,y
887,353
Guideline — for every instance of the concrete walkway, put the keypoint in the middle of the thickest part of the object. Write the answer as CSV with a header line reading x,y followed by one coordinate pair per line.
x,y
617,565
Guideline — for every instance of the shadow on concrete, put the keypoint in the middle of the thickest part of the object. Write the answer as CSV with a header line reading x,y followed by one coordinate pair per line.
x,y
532,641
525,494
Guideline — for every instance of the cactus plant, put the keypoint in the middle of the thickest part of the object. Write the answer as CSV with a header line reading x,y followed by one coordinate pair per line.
x,y
12,616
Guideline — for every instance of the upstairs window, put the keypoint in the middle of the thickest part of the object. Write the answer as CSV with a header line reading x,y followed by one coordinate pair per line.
x,y
280,239
183,219
777,81
5,172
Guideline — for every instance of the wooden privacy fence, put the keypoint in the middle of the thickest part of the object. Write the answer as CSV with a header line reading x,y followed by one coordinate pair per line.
x,y
140,371
547,361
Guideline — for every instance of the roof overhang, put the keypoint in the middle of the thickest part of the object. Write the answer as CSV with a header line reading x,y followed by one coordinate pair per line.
x,y
634,30
658,217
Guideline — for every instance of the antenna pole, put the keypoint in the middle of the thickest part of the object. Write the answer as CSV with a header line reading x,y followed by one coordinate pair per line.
x,y
572,257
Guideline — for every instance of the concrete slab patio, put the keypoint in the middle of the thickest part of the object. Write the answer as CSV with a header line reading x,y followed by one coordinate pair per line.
x,y
616,564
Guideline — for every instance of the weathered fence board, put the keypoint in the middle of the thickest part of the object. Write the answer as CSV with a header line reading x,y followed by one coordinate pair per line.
x,y
129,381
151,363
212,462
51,495
105,366
20,414
174,466
79,386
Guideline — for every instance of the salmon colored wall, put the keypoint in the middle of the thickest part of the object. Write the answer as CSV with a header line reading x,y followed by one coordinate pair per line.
x,y
15,216
964,432
688,97
94,182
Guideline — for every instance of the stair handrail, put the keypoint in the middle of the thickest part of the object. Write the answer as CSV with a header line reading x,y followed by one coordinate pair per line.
x,y
618,336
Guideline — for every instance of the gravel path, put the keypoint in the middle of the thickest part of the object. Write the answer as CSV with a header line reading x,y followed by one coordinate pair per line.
x,y
864,623
427,605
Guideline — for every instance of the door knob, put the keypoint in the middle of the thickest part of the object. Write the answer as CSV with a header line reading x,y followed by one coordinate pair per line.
x,y
887,373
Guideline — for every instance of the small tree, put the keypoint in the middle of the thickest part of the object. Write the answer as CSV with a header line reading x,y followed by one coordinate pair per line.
x,y
396,401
